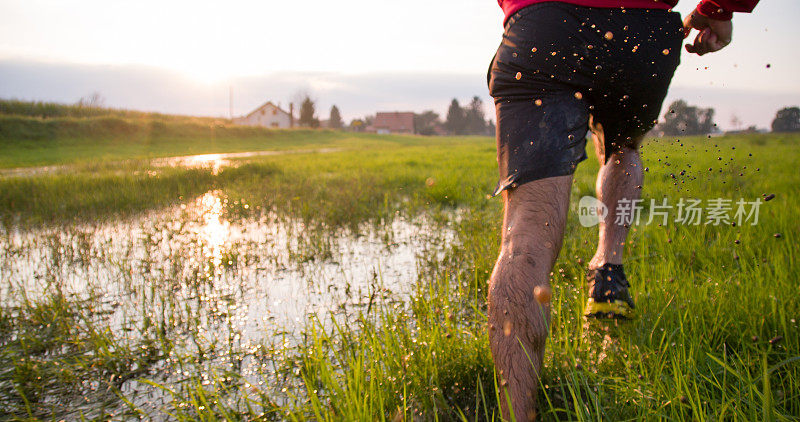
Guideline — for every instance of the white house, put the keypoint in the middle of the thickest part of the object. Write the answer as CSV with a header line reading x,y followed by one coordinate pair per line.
x,y
268,115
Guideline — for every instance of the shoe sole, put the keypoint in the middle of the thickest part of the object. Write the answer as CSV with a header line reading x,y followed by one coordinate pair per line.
x,y
614,309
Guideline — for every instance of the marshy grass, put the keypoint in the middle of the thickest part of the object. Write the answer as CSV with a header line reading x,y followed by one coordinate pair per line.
x,y
716,335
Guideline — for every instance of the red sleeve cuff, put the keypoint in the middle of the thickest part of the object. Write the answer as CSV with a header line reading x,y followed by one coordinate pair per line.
x,y
712,10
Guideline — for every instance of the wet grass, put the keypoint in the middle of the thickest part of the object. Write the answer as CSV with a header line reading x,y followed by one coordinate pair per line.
x,y
716,338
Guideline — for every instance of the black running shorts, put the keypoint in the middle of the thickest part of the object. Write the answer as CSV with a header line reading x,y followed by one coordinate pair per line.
x,y
558,65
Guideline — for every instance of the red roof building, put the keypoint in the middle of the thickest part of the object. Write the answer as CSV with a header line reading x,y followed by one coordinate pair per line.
x,y
393,122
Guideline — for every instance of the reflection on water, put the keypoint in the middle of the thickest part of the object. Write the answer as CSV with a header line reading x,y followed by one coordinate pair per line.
x,y
214,229
214,162
216,287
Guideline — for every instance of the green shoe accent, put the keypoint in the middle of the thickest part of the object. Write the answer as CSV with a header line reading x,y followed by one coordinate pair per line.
x,y
613,309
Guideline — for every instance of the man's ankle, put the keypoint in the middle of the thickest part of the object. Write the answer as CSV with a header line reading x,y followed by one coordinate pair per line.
x,y
599,263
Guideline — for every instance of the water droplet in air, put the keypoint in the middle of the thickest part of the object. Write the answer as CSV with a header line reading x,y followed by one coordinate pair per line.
x,y
665,51
538,102
518,76
533,50
507,328
609,35
543,294
578,95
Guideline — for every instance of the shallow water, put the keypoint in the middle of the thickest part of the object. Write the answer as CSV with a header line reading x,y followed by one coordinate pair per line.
x,y
216,286
215,162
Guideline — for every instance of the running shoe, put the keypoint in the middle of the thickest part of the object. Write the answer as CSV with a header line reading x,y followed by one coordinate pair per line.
x,y
608,293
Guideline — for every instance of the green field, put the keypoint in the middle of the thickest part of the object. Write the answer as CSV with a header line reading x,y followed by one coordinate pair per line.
x,y
97,330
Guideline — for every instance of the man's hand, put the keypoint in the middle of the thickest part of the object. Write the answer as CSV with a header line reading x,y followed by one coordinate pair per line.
x,y
714,34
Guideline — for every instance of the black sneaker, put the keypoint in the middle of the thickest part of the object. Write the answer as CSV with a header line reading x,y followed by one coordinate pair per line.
x,y
608,293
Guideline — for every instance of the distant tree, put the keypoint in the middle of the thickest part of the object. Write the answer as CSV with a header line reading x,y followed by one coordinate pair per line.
x,y
335,120
736,122
357,125
787,120
490,128
456,119
307,118
683,119
474,122
94,100
426,122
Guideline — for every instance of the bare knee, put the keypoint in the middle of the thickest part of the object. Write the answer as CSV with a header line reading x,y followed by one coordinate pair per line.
x,y
516,316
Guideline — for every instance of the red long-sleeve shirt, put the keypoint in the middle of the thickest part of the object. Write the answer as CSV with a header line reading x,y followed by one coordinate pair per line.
x,y
715,9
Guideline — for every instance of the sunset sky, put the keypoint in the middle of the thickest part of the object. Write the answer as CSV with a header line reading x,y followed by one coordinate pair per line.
x,y
328,47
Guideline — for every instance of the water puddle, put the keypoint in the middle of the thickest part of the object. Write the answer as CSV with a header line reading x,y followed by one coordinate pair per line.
x,y
213,161
216,286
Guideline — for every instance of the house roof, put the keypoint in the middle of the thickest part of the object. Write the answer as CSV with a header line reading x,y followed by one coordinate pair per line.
x,y
265,105
394,121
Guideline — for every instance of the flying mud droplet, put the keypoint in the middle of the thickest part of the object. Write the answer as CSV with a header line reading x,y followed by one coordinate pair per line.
x,y
769,197
777,235
538,102
518,76
609,35
665,51
533,50
430,182
543,294
578,95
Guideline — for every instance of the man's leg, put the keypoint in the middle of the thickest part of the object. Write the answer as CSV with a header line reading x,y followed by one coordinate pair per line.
x,y
620,177
533,229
